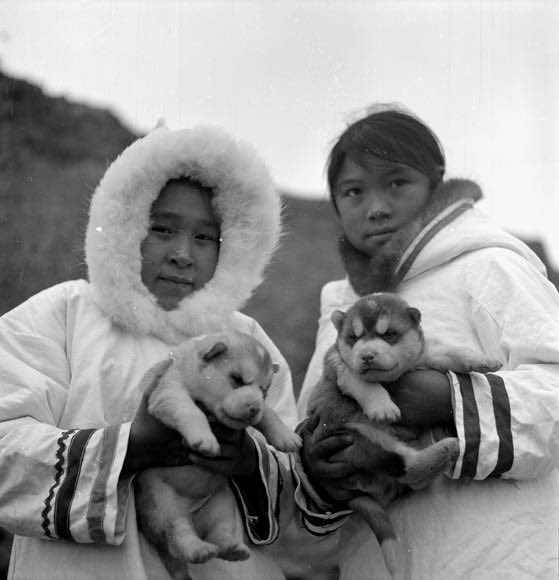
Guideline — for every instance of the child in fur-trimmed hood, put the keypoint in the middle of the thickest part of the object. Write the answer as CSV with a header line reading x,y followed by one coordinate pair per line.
x,y
181,228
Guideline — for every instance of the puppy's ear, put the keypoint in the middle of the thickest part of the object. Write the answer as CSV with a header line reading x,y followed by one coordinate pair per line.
x,y
215,350
338,318
415,315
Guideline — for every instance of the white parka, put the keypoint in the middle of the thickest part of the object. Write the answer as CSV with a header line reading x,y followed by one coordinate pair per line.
x,y
496,515
71,359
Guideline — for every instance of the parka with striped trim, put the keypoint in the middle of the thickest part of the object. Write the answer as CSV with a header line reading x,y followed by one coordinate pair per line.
x,y
72,356
495,515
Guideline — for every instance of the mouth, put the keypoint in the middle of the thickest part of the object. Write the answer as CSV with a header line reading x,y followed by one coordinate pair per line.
x,y
176,286
380,234
376,373
177,280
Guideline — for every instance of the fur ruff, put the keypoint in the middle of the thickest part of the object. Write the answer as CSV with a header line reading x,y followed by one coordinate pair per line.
x,y
245,201
383,271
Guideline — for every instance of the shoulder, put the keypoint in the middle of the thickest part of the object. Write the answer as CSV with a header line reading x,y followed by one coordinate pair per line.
x,y
53,298
337,294
500,280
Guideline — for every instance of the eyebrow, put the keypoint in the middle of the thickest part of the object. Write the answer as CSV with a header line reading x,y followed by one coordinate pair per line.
x,y
172,216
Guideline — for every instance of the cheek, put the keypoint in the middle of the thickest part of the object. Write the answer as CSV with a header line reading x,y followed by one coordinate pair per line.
x,y
150,253
208,261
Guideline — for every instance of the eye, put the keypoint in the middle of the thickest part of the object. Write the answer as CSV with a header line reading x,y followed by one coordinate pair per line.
x,y
352,192
162,229
398,182
391,336
351,338
207,237
237,380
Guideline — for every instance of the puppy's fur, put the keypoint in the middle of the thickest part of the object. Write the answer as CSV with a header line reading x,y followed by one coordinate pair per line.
x,y
379,339
227,374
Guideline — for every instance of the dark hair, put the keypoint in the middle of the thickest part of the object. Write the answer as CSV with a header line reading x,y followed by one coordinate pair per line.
x,y
392,134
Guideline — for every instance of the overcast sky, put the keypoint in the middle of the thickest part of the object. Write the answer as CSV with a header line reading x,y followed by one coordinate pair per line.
x,y
288,75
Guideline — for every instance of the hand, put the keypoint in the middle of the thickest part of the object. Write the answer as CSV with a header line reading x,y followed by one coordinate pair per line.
x,y
423,397
238,455
151,443
327,460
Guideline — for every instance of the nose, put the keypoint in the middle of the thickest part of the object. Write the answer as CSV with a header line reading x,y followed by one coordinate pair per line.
x,y
379,208
368,358
181,254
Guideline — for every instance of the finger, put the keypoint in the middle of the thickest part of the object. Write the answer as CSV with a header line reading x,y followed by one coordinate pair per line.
x,y
215,464
330,445
335,470
224,433
311,423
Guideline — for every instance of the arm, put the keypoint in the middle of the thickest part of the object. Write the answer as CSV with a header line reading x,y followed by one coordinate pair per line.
x,y
508,421
58,483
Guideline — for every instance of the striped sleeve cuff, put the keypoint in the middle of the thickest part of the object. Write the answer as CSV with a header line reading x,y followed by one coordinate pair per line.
x,y
483,422
87,501
259,496
317,516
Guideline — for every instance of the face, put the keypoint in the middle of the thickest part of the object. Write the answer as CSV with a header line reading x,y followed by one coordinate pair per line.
x,y
376,201
180,252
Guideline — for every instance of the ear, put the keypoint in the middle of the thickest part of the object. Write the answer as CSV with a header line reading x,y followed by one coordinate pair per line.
x,y
215,350
275,368
414,314
338,318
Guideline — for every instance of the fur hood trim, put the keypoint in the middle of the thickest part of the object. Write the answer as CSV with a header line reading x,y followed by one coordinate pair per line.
x,y
244,199
385,270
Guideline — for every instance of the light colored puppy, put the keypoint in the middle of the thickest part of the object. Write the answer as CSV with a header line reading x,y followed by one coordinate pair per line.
x,y
379,339
188,513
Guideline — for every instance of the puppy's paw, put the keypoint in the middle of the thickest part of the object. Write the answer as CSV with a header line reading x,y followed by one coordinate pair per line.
x,y
286,441
487,365
205,445
387,413
202,552
234,552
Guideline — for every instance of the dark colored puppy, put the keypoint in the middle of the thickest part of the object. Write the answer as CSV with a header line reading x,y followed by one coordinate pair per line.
x,y
379,339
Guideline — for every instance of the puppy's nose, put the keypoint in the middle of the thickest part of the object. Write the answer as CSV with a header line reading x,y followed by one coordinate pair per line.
x,y
253,411
368,358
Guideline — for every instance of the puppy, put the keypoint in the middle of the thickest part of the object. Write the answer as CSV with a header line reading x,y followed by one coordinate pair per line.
x,y
187,513
379,339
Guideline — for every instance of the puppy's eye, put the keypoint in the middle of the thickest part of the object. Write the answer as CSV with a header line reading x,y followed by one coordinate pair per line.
x,y
351,338
391,336
237,380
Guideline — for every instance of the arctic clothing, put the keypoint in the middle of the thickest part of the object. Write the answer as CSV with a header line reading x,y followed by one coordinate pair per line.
x,y
495,515
72,356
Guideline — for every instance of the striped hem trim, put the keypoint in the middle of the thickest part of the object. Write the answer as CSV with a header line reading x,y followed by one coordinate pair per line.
x,y
315,515
58,471
67,489
501,410
472,432
262,529
429,232
98,501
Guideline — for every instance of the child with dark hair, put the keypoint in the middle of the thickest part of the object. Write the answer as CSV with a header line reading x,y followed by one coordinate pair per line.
x,y
408,231
180,231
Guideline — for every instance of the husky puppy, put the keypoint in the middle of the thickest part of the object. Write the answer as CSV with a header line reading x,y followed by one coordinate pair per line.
x,y
379,339
225,375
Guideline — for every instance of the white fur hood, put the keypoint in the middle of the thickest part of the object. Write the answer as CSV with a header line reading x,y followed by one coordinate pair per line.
x,y
245,202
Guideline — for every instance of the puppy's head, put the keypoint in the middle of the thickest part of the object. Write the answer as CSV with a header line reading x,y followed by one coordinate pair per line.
x,y
379,337
228,374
